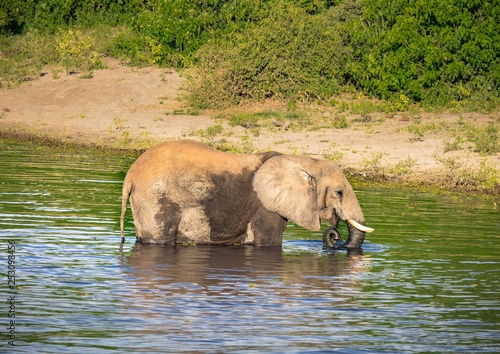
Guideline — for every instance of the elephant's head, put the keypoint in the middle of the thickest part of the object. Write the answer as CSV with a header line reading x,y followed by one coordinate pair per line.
x,y
306,190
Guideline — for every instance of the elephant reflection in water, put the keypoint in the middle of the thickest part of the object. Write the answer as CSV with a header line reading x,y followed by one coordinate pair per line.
x,y
184,270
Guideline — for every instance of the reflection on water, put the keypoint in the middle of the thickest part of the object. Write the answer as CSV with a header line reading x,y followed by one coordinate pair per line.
x,y
426,281
207,270
239,297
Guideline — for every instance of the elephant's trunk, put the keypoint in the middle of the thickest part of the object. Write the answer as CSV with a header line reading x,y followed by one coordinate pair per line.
x,y
355,239
332,239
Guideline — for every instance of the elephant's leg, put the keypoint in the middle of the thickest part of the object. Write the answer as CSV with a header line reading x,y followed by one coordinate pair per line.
x,y
265,229
194,226
156,221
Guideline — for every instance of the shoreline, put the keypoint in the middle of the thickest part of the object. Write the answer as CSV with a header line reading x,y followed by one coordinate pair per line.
x,y
129,109
432,183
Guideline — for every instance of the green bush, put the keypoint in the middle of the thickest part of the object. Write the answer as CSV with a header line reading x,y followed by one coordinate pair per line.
x,y
174,30
289,54
11,16
442,53
51,15
24,57
484,177
437,52
49,18
76,52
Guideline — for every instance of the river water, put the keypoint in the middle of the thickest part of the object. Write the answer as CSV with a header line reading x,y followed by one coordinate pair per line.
x,y
427,280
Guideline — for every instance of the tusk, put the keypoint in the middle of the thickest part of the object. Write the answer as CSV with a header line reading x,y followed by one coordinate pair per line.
x,y
360,227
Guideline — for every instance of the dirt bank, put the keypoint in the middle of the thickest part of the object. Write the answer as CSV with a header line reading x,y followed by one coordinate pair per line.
x,y
126,107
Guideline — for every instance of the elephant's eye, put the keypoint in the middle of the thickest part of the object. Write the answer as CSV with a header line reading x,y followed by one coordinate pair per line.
x,y
338,194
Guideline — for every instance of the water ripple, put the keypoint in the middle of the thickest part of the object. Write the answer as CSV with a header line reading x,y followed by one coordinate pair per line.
x,y
426,281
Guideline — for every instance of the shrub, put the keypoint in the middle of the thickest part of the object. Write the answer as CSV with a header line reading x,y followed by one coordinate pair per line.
x,y
289,54
438,52
24,57
51,15
471,177
174,30
76,52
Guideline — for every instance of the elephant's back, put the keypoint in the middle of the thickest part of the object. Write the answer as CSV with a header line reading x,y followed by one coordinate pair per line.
x,y
193,157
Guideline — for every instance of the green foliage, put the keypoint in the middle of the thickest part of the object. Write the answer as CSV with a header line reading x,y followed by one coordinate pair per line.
x,y
333,156
244,147
51,15
296,121
209,134
374,162
363,106
173,30
486,177
12,15
76,53
24,57
245,119
314,6
340,122
454,145
485,139
441,53
418,130
482,177
404,167
288,54
438,52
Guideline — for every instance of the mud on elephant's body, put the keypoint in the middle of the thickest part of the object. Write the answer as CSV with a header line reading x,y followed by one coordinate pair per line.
x,y
187,192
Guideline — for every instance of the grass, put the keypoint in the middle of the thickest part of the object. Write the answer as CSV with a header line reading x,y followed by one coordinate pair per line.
x,y
24,57
246,120
485,139
272,120
481,139
333,155
404,167
340,122
419,129
374,162
187,112
75,51
215,137
455,145
209,135
466,176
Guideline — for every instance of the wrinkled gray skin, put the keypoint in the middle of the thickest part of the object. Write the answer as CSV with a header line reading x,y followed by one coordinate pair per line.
x,y
331,238
186,192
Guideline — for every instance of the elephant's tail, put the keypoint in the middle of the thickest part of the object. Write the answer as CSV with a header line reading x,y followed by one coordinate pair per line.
x,y
126,190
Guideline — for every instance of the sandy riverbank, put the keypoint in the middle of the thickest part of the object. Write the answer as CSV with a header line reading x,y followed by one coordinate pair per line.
x,y
126,107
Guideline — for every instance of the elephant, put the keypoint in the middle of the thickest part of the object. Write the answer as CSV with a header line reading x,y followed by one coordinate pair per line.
x,y
185,192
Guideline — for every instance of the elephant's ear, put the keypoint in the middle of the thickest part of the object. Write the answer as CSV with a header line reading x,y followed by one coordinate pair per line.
x,y
285,186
